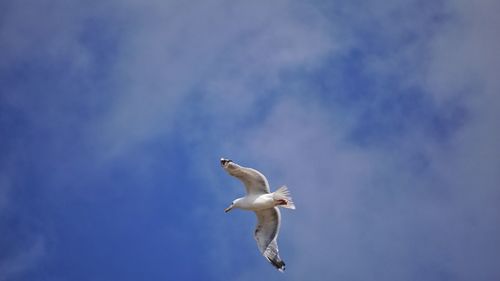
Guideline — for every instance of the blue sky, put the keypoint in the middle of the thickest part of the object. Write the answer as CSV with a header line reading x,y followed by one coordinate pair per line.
x,y
381,118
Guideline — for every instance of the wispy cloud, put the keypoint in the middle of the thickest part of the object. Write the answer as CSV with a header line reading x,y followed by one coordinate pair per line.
x,y
411,202
22,261
215,53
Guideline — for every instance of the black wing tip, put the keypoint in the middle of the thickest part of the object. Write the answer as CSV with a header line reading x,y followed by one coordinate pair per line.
x,y
224,162
279,264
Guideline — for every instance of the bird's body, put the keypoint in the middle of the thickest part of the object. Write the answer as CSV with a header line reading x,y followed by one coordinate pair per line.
x,y
265,205
256,202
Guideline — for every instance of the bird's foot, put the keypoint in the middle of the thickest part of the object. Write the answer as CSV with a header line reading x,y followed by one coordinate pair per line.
x,y
281,202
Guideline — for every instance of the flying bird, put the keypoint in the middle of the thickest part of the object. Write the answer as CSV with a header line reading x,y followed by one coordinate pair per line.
x,y
265,205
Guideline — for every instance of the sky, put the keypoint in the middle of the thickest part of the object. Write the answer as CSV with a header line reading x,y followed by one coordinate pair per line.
x,y
380,117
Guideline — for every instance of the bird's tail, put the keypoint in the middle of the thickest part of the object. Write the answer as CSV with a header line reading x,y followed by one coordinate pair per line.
x,y
283,197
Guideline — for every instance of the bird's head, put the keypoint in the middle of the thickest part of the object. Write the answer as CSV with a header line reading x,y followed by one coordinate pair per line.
x,y
234,204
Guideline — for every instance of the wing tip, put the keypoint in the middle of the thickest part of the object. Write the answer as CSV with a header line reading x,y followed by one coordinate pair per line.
x,y
278,263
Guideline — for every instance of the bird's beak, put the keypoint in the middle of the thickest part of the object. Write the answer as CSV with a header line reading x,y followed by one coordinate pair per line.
x,y
228,208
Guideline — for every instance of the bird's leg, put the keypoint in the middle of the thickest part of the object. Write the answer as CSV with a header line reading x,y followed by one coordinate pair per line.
x,y
281,202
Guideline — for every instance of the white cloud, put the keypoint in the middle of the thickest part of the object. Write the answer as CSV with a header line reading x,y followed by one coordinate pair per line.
x,y
26,38
226,53
419,207
464,54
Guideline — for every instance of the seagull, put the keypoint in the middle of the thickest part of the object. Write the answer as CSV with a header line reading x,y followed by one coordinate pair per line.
x,y
265,205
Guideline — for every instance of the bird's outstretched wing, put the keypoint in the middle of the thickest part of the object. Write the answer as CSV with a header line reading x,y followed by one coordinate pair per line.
x,y
266,233
254,181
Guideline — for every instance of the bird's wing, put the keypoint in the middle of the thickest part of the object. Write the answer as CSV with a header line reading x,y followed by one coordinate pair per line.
x,y
255,182
266,233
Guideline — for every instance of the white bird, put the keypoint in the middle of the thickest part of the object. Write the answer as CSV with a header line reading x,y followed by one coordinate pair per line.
x,y
265,205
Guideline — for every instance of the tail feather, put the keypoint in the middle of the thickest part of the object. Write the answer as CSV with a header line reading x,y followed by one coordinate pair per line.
x,y
284,194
